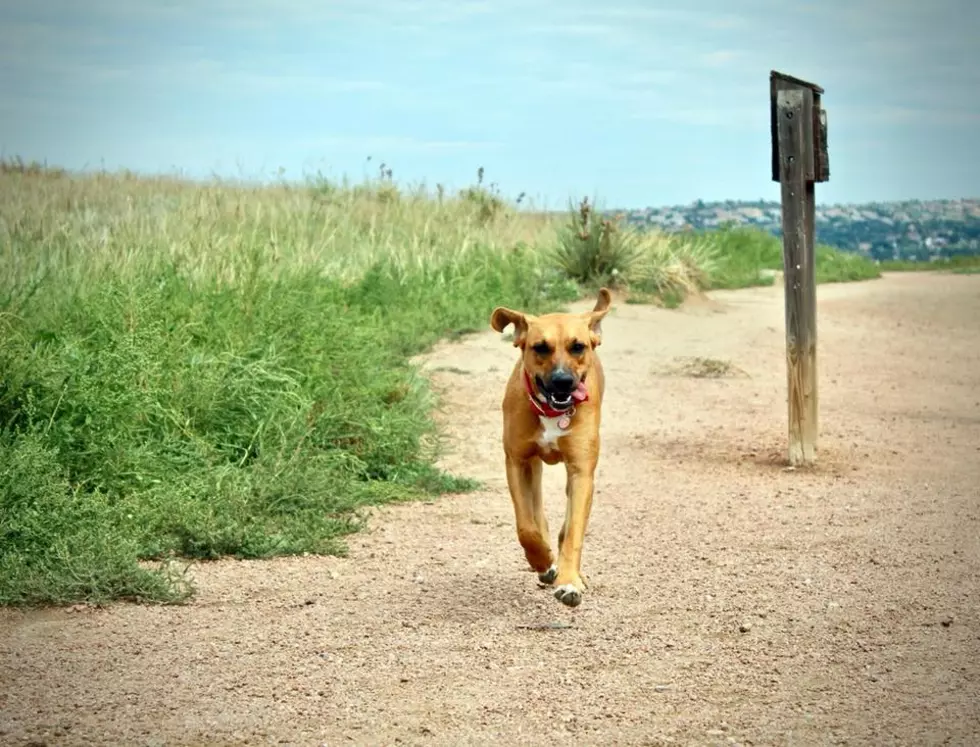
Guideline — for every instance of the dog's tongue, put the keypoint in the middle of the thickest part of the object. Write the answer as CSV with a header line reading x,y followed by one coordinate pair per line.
x,y
581,393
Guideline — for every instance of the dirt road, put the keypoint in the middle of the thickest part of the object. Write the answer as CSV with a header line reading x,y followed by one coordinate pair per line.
x,y
731,601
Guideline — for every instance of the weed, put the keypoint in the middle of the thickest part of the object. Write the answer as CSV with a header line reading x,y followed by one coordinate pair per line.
x,y
487,200
703,368
594,250
671,267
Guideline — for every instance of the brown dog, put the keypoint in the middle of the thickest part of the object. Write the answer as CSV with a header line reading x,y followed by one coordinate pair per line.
x,y
551,412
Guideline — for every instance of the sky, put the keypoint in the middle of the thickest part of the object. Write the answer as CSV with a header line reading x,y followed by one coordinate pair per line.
x,y
633,102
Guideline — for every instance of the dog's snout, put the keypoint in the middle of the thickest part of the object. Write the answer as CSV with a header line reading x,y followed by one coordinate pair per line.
x,y
562,380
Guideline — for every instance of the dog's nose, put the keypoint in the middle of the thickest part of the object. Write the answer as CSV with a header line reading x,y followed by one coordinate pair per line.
x,y
562,381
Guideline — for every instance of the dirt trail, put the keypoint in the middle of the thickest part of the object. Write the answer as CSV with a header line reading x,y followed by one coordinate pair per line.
x,y
731,601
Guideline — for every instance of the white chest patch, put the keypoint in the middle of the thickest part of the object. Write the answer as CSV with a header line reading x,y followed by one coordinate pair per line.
x,y
548,438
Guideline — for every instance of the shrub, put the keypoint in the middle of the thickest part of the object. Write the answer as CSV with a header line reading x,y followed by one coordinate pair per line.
x,y
594,250
194,371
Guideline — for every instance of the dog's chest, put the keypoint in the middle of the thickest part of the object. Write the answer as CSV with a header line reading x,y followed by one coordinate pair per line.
x,y
551,431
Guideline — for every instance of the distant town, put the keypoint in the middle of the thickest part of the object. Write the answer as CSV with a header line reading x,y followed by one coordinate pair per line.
x,y
913,230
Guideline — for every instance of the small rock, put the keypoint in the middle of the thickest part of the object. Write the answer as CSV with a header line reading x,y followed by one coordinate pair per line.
x,y
946,621
745,627
662,688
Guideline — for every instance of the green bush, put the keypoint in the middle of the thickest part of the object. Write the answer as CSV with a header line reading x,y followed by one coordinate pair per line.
x,y
204,422
594,250
154,410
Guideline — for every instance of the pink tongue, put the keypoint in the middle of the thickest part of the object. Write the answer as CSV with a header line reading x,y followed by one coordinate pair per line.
x,y
581,393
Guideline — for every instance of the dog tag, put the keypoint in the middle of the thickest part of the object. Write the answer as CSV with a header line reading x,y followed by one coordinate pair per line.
x,y
564,422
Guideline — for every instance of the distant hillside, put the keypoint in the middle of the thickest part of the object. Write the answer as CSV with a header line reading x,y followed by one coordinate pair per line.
x,y
916,230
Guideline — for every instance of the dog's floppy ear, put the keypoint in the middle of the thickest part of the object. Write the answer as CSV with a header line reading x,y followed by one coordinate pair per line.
x,y
595,316
501,317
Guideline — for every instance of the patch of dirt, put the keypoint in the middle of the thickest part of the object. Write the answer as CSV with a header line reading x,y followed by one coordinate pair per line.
x,y
696,367
731,602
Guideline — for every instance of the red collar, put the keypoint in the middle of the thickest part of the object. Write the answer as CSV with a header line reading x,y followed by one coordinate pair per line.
x,y
543,408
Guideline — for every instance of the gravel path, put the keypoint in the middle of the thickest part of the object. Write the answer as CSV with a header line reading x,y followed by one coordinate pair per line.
x,y
731,601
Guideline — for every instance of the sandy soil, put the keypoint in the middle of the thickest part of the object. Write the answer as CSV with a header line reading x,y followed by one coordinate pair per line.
x,y
731,601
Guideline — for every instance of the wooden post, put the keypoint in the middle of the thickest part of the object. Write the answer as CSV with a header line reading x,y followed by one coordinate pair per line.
x,y
799,160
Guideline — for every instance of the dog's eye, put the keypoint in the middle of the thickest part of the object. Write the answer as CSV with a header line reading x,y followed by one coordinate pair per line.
x,y
541,348
576,348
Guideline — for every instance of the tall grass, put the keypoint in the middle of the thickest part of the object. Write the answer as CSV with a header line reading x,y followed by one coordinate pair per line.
x,y
203,370
214,370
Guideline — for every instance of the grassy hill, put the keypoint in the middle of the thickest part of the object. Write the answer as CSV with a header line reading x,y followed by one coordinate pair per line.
x,y
912,230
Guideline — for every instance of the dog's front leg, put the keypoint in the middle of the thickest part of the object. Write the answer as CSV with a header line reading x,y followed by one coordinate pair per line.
x,y
569,583
524,481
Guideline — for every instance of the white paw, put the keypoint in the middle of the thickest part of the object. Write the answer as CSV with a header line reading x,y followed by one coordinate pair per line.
x,y
568,595
548,576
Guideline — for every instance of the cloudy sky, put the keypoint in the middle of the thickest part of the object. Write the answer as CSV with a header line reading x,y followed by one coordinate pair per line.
x,y
641,102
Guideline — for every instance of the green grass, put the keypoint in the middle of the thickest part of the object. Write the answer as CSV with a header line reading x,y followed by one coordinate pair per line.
x,y
201,371
742,252
209,370
965,264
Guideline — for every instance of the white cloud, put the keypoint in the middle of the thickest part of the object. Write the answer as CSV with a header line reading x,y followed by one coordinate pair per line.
x,y
706,116
212,74
579,30
725,23
654,76
376,146
35,56
381,146
721,58
885,114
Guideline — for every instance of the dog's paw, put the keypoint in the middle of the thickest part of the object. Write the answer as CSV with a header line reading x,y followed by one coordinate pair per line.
x,y
568,595
548,576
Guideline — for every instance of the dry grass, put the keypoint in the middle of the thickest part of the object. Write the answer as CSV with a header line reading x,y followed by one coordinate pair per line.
x,y
696,367
81,227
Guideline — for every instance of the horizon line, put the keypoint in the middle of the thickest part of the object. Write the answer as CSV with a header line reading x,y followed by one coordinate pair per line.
x,y
15,164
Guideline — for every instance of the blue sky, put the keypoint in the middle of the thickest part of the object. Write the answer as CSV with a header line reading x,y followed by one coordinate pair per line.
x,y
638,102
